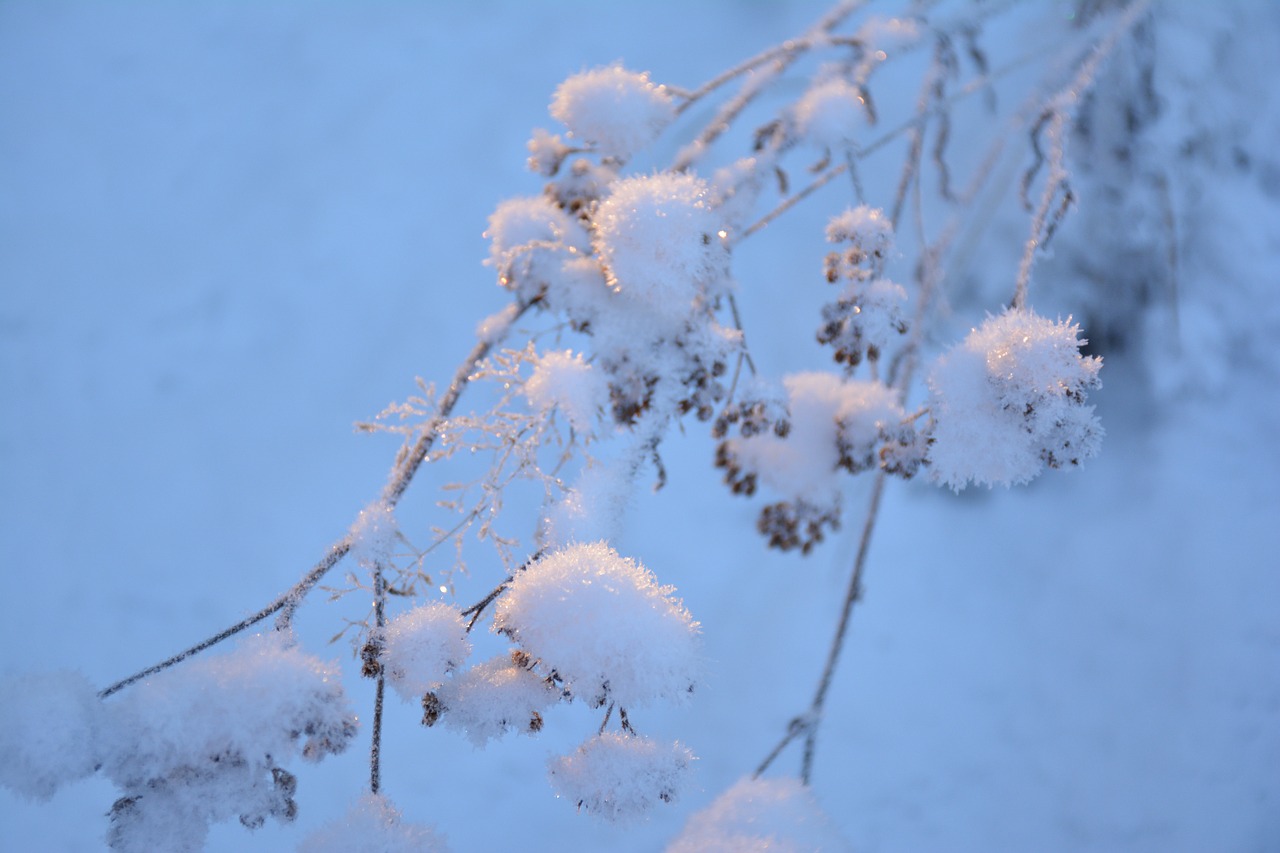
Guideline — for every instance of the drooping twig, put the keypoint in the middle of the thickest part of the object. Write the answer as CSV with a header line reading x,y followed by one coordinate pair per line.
x,y
380,622
778,62
406,466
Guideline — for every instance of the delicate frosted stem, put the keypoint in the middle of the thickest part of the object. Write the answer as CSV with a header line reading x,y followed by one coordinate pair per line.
x,y
407,464
380,622
851,596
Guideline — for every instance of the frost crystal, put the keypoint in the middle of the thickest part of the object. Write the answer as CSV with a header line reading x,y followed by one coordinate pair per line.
x,y
1010,399
759,815
49,732
603,624
831,113
620,777
617,111
373,825
490,699
419,648
564,381
657,236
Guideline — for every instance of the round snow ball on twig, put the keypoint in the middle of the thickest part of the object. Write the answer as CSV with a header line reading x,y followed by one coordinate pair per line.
x,y
603,623
49,726
616,110
420,647
658,238
620,777
759,815
831,113
373,825
523,221
1010,399
494,697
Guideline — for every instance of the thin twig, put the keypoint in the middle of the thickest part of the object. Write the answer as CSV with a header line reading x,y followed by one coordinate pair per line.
x,y
402,474
852,594
781,60
380,621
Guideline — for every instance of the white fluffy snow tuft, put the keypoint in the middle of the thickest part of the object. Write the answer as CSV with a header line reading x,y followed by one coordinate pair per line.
x,y
420,648
620,777
603,623
49,731
831,113
826,411
373,825
616,110
1009,400
761,816
658,238
492,698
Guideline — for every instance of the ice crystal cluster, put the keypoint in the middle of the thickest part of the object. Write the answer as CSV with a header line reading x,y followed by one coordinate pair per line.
x,y
1010,400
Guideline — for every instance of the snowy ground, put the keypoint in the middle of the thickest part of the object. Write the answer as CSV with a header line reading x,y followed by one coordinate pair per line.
x,y
227,233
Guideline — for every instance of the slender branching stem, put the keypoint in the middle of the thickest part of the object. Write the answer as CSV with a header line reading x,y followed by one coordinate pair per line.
x,y
380,622
853,593
407,464
767,69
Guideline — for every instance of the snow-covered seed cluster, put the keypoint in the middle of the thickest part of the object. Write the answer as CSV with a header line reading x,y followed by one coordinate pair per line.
x,y
869,310
613,110
604,625
1010,400
242,715
373,823
492,698
658,239
759,815
531,239
831,113
418,649
832,424
619,776
797,524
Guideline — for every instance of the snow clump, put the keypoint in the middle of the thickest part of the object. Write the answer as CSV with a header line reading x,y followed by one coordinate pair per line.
x,y
831,113
49,731
373,825
658,238
603,623
834,422
205,742
490,699
564,381
761,816
616,110
620,777
866,227
531,239
420,647
1010,399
